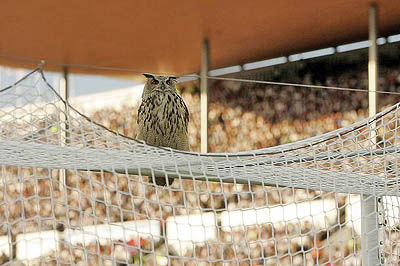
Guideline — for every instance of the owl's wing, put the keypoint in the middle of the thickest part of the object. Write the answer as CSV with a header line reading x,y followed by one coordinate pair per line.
x,y
140,121
183,139
185,111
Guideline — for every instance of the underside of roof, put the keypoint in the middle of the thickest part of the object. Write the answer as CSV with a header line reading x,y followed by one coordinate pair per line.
x,y
166,36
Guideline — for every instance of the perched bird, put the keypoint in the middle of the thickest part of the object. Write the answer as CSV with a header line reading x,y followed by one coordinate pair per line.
x,y
163,117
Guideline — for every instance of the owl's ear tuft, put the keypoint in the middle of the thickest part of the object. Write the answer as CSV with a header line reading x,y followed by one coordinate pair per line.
x,y
147,75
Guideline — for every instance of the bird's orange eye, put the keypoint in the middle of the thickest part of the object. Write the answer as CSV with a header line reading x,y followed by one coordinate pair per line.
x,y
154,81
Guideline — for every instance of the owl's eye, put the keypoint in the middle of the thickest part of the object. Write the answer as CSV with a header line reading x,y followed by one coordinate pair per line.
x,y
154,81
169,82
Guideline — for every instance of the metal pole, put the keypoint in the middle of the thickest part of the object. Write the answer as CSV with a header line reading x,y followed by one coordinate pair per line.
x,y
204,96
64,92
369,203
372,63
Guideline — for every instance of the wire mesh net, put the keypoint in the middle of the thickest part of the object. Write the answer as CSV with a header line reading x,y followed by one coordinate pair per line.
x,y
74,192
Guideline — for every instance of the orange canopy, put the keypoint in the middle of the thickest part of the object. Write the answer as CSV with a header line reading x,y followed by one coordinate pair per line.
x,y
166,36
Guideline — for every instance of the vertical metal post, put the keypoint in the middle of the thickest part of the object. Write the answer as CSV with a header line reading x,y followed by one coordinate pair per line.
x,y
372,62
65,89
204,96
64,92
369,203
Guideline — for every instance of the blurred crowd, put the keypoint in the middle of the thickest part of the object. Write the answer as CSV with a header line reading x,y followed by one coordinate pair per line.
x,y
245,116
242,116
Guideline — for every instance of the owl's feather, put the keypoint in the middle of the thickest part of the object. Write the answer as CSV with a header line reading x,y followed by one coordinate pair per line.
x,y
163,117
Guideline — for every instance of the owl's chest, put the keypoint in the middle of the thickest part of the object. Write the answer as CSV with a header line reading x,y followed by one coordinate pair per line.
x,y
164,107
162,111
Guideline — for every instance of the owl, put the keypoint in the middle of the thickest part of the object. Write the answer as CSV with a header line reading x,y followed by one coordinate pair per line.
x,y
163,117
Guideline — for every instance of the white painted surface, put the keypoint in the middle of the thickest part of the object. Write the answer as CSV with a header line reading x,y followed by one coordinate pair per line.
x,y
103,233
185,231
5,246
313,211
34,245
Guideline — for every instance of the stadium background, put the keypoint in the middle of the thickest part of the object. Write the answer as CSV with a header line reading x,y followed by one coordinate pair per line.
x,y
242,116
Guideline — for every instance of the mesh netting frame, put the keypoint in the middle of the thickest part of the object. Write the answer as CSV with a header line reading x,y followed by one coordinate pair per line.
x,y
247,159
